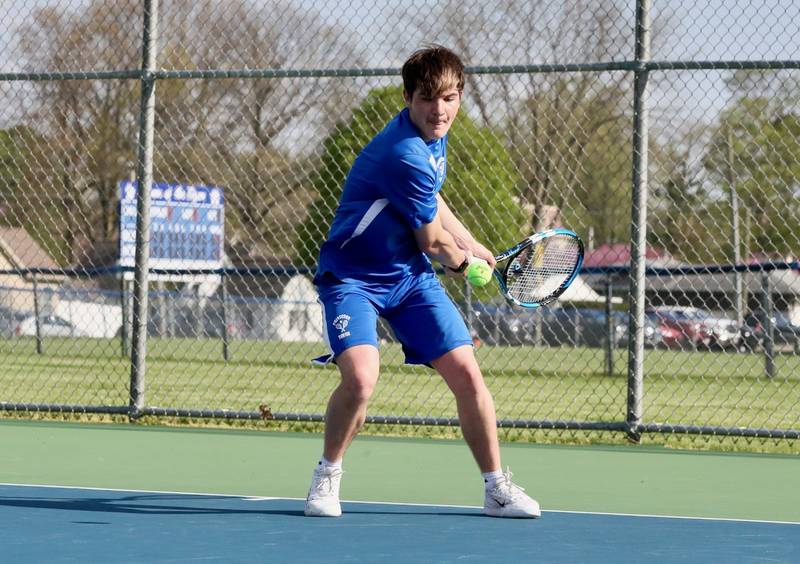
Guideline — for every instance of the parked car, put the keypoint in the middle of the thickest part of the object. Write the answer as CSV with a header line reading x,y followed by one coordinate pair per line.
x,y
190,321
9,319
695,328
553,327
725,332
578,327
654,331
679,328
669,333
496,324
49,326
785,334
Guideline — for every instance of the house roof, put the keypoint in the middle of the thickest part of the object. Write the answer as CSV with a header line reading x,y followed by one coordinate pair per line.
x,y
22,250
619,254
580,291
781,282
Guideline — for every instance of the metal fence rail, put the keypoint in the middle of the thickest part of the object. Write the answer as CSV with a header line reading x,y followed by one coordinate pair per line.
x,y
666,135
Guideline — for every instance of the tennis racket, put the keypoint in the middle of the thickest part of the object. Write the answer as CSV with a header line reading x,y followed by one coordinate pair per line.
x,y
538,269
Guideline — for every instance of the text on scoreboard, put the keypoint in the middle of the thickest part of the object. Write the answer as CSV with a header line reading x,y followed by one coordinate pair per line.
x,y
187,225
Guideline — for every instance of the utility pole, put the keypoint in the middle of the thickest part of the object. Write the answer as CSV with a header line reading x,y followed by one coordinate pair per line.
x,y
736,240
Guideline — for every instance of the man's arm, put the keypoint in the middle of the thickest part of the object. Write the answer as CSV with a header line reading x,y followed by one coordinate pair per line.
x,y
462,237
438,243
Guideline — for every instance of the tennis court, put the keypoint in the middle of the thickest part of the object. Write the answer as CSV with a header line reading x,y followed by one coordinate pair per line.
x,y
169,171
108,493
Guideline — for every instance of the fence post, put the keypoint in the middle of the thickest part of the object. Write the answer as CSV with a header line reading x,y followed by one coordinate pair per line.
x,y
638,224
37,315
145,180
766,323
609,329
735,237
225,336
165,324
123,330
537,327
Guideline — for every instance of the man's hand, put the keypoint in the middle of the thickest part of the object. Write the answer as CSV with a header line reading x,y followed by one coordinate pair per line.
x,y
482,252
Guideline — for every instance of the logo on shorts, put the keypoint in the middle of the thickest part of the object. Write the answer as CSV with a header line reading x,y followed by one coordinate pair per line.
x,y
341,323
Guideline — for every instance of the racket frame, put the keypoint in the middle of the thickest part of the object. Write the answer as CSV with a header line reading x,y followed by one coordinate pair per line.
x,y
500,274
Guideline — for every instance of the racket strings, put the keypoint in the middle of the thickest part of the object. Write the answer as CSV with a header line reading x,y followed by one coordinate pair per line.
x,y
540,271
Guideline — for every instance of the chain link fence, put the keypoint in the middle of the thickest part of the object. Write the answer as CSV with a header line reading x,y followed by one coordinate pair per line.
x,y
668,136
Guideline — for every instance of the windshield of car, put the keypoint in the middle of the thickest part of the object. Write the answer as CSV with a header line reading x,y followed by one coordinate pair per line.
x,y
781,318
701,314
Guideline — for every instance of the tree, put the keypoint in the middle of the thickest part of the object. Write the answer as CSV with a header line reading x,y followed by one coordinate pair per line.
x,y
755,152
266,192
242,133
680,207
89,126
207,131
244,35
35,193
11,154
479,186
566,133
572,148
21,157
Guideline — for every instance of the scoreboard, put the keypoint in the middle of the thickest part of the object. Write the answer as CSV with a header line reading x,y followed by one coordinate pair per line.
x,y
186,225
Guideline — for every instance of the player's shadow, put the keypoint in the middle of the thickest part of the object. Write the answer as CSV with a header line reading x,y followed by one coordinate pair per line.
x,y
139,504
413,511
164,504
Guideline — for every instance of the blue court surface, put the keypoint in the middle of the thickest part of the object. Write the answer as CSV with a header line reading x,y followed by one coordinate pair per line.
x,y
58,524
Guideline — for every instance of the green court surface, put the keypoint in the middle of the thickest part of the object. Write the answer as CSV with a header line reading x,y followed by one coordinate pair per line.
x,y
629,480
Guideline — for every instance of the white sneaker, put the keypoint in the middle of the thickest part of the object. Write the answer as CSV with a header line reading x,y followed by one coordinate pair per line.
x,y
323,495
506,499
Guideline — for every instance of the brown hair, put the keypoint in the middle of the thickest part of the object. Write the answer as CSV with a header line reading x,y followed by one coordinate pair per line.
x,y
432,70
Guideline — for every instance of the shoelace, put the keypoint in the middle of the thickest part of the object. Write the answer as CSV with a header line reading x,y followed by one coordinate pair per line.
x,y
507,488
324,482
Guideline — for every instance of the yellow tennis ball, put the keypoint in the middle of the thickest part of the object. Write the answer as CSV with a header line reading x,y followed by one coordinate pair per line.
x,y
479,272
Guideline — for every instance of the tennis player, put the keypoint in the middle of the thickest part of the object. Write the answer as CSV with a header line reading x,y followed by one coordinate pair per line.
x,y
390,223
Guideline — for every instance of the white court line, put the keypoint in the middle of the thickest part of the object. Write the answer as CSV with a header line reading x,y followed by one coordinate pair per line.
x,y
395,503
120,490
683,517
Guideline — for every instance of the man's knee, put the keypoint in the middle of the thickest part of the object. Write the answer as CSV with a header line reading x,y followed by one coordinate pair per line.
x,y
359,368
470,383
358,387
464,377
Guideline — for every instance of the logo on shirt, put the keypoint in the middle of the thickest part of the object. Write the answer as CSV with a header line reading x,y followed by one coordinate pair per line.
x,y
440,167
341,323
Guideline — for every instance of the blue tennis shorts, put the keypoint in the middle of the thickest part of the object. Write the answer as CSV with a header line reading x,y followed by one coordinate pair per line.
x,y
422,316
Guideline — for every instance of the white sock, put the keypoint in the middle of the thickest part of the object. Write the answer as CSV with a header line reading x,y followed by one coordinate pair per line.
x,y
325,462
490,479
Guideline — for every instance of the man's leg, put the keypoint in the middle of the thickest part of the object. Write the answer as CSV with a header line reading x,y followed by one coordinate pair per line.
x,y
347,407
347,410
476,412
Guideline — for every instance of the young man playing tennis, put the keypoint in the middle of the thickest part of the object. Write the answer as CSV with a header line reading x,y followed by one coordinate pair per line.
x,y
390,222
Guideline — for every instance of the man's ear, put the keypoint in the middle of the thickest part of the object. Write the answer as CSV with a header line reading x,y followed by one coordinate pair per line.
x,y
406,97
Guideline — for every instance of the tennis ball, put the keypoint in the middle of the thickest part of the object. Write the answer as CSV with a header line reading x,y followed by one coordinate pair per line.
x,y
479,272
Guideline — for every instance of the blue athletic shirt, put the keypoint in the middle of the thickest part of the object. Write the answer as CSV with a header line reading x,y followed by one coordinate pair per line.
x,y
390,191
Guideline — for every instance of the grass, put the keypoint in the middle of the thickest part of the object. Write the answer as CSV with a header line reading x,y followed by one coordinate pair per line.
x,y
528,383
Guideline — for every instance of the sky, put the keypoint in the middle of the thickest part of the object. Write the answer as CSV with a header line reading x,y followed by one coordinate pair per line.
x,y
715,29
